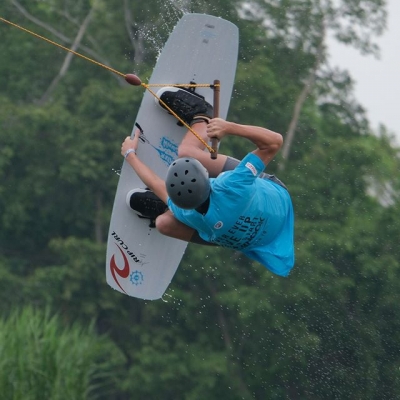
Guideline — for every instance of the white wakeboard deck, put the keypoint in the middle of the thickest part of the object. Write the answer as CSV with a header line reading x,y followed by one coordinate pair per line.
x,y
140,261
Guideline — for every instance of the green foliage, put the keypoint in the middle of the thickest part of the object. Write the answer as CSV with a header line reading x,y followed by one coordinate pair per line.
x,y
54,362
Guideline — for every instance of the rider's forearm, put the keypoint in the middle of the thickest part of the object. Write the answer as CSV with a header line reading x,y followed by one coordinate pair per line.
x,y
148,177
263,138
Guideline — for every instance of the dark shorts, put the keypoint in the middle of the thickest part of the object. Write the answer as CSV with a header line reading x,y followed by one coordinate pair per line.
x,y
231,164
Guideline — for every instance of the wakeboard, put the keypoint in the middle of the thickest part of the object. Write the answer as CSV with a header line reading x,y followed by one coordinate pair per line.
x,y
140,262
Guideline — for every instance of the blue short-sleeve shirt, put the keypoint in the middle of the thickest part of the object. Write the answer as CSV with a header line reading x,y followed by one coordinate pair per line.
x,y
249,214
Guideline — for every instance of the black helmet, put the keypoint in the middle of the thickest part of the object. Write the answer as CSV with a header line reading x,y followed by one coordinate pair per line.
x,y
187,183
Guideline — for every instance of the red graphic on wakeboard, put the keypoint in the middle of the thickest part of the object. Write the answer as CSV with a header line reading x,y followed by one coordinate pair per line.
x,y
123,273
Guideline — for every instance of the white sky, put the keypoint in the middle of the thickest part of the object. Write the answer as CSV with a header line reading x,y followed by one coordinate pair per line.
x,y
377,81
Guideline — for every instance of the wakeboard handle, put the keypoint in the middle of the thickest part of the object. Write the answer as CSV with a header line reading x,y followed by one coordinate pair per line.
x,y
214,141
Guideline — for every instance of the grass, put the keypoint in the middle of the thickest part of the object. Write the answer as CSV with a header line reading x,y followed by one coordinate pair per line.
x,y
41,359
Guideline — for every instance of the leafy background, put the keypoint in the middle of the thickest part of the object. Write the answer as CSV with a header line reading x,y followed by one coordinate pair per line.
x,y
226,328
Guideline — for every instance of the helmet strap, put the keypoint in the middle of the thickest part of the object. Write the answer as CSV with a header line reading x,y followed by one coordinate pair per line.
x,y
203,208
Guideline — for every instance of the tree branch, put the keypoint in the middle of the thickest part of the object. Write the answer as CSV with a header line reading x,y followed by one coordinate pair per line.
x,y
137,44
307,88
68,59
88,37
59,35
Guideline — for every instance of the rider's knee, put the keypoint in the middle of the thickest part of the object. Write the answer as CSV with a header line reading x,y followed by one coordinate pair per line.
x,y
163,224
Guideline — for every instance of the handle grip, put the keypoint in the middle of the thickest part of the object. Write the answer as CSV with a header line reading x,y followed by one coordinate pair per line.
x,y
214,146
214,141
